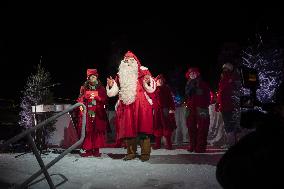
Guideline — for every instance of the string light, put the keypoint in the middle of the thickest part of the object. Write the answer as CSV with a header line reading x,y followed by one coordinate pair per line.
x,y
267,60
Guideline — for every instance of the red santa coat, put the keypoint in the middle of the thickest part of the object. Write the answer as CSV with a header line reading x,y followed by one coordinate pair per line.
x,y
197,105
164,121
198,119
96,118
136,117
201,100
227,85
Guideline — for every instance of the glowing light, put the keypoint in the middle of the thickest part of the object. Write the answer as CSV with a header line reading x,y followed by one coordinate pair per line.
x,y
178,99
267,60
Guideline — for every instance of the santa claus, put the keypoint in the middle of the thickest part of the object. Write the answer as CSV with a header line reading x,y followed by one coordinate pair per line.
x,y
134,113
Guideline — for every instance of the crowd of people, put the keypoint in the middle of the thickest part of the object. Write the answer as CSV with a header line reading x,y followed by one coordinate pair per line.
x,y
146,108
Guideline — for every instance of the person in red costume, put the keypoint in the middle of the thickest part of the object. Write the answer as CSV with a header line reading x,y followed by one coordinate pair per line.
x,y
93,96
134,112
197,103
164,113
229,86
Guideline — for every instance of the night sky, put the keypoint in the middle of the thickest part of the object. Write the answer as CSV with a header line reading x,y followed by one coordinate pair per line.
x,y
166,40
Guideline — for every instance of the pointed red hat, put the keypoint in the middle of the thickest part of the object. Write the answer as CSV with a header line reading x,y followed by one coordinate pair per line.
x,y
130,54
92,72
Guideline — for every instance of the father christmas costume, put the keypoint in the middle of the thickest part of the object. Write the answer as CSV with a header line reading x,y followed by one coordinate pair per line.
x,y
134,111
93,95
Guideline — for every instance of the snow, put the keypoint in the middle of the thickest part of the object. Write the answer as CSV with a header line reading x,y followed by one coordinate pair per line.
x,y
169,169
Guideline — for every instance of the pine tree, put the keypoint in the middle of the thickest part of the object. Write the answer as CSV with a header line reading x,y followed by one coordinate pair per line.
x,y
37,92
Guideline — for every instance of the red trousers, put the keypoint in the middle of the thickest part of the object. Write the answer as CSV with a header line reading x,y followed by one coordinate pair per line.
x,y
198,127
93,139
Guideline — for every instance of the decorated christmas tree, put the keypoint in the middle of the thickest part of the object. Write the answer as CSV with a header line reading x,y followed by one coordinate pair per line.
x,y
264,55
37,91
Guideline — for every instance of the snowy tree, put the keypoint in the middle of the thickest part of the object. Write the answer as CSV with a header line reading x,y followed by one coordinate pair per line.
x,y
37,92
267,59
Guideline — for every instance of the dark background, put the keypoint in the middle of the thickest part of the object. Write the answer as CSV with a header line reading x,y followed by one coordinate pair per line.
x,y
166,38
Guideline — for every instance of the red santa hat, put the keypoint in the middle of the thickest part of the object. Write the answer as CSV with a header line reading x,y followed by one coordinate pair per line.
x,y
191,71
130,54
92,72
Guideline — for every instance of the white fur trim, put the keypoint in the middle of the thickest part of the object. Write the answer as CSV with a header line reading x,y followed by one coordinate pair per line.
x,y
171,112
148,98
113,90
116,104
152,87
143,68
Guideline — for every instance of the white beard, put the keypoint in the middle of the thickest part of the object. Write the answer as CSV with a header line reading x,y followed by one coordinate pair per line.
x,y
128,75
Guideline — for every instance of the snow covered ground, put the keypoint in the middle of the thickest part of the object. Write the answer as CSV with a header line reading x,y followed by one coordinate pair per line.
x,y
167,169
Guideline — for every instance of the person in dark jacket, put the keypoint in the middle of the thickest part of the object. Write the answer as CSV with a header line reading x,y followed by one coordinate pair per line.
x,y
256,161
197,103
227,97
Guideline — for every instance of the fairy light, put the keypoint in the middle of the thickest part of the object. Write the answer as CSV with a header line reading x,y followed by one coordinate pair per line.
x,y
268,62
